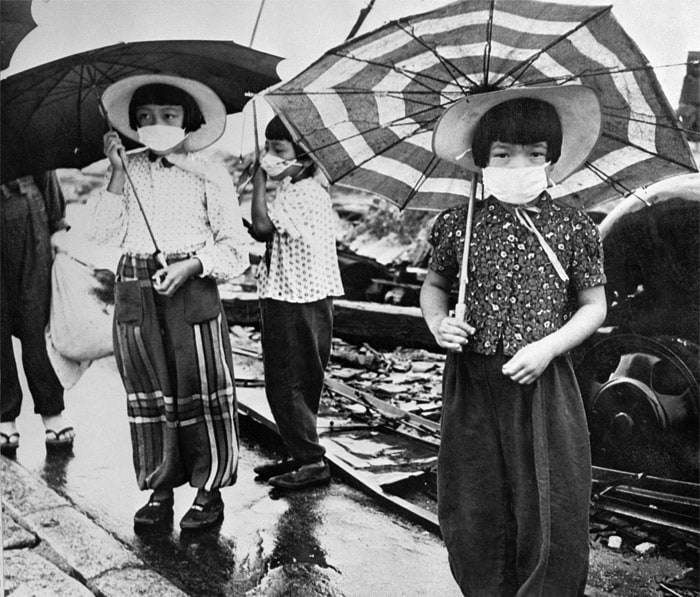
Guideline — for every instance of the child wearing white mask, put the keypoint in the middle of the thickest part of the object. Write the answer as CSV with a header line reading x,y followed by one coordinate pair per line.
x,y
171,338
296,285
514,471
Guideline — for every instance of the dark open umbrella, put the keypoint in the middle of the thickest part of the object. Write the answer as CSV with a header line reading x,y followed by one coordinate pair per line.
x,y
15,22
51,116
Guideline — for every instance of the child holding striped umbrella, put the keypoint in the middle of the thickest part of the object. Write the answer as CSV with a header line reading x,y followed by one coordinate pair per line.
x,y
514,470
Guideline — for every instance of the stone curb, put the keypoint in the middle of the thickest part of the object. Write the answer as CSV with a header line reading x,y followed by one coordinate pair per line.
x,y
74,555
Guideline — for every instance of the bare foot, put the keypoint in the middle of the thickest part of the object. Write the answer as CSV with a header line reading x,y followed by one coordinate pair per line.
x,y
59,433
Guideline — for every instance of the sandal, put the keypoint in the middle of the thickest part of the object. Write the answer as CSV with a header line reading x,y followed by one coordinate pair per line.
x,y
60,439
9,443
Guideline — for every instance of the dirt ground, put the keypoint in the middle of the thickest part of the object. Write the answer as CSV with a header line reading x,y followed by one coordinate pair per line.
x,y
669,570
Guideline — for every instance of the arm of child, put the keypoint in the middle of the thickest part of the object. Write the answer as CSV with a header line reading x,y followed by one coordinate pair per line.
x,y
108,210
114,150
225,255
263,228
530,361
449,332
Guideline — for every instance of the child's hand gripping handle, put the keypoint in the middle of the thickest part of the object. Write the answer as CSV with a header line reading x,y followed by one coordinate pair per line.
x,y
460,312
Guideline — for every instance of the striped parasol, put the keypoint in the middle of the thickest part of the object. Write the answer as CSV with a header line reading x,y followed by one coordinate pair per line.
x,y
366,109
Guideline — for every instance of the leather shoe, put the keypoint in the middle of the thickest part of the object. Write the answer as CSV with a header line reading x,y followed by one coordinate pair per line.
x,y
303,477
156,513
203,516
272,469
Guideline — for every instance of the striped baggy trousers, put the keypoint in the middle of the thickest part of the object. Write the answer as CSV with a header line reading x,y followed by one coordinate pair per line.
x,y
174,358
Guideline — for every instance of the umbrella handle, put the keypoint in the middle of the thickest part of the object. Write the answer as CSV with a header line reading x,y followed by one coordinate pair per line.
x,y
460,311
461,306
160,258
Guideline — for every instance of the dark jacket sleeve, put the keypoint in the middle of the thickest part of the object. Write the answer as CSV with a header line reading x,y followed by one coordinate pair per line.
x,y
54,201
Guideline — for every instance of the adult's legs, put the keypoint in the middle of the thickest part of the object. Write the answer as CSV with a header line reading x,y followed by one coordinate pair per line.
x,y
26,292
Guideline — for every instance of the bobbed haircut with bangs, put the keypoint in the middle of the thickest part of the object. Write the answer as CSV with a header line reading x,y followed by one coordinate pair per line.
x,y
159,94
520,121
277,131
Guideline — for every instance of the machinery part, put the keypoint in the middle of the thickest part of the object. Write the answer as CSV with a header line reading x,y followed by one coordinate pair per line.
x,y
642,405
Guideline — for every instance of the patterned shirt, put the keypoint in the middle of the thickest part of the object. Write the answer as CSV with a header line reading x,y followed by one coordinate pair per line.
x,y
514,293
303,263
187,213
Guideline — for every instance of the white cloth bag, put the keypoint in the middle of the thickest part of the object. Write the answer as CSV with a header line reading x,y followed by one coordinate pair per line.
x,y
80,323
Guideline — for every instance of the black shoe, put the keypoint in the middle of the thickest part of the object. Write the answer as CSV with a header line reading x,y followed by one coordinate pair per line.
x,y
155,514
265,471
303,478
203,516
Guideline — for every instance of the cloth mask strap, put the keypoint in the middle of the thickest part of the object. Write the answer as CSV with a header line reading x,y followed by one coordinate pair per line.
x,y
525,220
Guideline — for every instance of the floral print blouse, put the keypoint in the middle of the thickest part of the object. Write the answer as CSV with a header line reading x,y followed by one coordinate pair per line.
x,y
514,293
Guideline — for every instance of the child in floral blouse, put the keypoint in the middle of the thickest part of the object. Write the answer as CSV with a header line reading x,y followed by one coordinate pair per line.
x,y
514,469
296,286
170,333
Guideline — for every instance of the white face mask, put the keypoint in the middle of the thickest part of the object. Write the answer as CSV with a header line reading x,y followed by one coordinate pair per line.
x,y
161,137
274,165
515,185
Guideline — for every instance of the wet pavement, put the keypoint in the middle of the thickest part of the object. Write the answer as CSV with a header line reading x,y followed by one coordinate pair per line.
x,y
325,541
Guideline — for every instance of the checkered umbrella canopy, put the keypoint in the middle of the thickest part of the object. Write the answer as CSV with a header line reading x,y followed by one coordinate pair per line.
x,y
366,109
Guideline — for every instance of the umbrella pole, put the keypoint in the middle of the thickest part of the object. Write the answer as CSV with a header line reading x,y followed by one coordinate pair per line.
x,y
461,306
157,253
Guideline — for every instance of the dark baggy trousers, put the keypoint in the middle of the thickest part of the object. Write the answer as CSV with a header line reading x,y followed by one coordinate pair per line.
x,y
25,299
514,479
296,343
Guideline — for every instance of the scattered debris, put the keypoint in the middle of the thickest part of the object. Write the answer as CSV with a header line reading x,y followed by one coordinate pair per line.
x,y
645,548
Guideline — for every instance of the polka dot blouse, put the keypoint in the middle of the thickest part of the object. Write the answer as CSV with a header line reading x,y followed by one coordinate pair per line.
x,y
303,263
187,213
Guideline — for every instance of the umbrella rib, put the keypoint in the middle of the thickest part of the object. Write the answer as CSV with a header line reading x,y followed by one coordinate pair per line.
x,y
432,164
598,72
400,95
523,66
356,166
640,120
379,127
665,158
560,80
359,165
351,91
402,71
609,180
446,64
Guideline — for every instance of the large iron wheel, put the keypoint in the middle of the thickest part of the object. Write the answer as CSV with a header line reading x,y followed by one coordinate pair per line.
x,y
641,398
